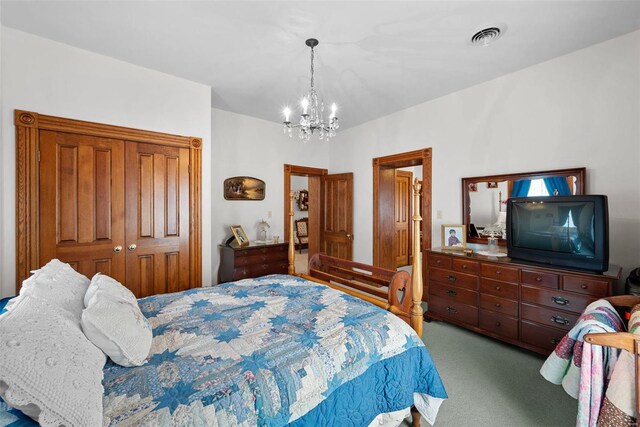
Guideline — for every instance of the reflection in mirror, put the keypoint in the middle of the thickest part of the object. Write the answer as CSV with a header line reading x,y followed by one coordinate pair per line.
x,y
485,198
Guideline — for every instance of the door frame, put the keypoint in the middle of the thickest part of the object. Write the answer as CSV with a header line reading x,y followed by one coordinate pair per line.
x,y
315,202
380,164
28,125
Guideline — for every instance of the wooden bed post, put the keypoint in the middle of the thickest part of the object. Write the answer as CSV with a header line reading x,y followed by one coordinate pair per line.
x,y
416,267
292,243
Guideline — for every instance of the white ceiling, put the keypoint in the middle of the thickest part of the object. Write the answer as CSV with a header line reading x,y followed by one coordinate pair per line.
x,y
374,58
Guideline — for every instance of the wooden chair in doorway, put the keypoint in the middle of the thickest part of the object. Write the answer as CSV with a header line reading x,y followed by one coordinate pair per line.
x,y
302,233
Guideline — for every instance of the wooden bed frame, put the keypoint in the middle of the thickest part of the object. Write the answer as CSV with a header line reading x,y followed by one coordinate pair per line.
x,y
395,291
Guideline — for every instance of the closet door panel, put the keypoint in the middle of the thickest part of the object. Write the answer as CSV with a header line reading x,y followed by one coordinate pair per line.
x,y
82,202
157,227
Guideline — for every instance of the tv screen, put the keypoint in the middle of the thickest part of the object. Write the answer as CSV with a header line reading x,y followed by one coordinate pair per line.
x,y
567,231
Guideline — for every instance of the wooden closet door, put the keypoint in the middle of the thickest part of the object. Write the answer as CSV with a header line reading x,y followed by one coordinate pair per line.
x,y
81,186
337,231
157,225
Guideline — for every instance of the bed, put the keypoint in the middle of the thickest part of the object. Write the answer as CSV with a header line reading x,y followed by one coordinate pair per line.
x,y
323,349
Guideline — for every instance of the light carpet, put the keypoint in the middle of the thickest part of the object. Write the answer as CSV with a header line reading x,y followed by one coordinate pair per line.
x,y
493,384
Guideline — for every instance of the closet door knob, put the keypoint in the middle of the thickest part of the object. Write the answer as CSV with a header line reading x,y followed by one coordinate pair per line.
x,y
132,247
117,249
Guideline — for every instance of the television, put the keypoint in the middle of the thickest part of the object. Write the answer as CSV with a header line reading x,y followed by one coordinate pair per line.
x,y
564,231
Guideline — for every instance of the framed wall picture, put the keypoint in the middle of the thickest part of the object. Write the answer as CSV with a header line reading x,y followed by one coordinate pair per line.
x,y
473,186
492,184
244,188
240,235
454,237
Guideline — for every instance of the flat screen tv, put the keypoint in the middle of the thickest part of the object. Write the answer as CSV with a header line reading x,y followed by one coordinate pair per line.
x,y
564,231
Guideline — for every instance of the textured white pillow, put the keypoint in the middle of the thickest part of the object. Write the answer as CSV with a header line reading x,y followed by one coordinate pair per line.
x,y
115,324
48,368
59,285
111,286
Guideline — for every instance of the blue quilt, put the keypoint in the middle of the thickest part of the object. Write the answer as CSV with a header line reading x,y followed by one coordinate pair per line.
x,y
272,351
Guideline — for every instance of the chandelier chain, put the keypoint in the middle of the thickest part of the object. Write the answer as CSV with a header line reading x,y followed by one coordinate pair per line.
x,y
312,58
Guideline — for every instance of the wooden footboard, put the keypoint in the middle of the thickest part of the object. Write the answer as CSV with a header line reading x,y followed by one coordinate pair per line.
x,y
395,291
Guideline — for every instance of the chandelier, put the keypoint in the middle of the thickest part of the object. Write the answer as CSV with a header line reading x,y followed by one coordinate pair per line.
x,y
311,119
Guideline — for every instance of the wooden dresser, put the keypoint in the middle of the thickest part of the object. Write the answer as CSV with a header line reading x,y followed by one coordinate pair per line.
x,y
252,261
527,305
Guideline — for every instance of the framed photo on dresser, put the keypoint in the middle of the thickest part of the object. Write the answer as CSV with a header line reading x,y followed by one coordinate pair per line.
x,y
454,237
240,235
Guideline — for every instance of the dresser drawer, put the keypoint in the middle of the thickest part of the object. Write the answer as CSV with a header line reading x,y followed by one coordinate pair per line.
x,y
442,261
460,280
575,303
548,316
499,289
499,324
262,258
465,266
453,293
598,288
260,270
256,251
547,280
540,336
500,305
499,272
454,311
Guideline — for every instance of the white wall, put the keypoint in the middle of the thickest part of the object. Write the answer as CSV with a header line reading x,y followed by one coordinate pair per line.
x,y
245,146
56,79
581,109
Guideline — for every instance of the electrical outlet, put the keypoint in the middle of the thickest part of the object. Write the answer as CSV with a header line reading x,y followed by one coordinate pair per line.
x,y
439,214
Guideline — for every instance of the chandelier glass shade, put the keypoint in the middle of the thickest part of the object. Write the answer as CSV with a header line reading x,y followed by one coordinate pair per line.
x,y
312,117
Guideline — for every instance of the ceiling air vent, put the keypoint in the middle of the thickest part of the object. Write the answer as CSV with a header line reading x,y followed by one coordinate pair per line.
x,y
487,35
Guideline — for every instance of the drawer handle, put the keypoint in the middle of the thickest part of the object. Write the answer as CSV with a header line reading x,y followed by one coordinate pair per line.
x,y
264,258
583,286
452,293
498,305
245,272
438,261
498,272
452,278
451,309
538,279
559,320
498,324
498,288
560,300
464,266
555,341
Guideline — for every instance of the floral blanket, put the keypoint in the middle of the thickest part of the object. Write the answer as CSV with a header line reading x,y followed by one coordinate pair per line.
x,y
272,351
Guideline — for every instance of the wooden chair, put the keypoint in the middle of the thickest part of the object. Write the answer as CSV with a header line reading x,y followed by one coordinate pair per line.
x,y
302,233
622,340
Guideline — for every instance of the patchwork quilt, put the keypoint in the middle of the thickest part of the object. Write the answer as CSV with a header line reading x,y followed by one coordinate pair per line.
x,y
272,351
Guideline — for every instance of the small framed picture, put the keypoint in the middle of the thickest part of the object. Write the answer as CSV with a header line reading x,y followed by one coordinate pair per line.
x,y
473,186
454,237
240,235
492,184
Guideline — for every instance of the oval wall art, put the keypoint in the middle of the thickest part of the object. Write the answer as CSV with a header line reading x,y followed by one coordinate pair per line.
x,y
244,188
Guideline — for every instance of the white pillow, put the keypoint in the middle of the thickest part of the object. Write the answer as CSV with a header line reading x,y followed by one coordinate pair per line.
x,y
115,324
48,368
109,285
59,285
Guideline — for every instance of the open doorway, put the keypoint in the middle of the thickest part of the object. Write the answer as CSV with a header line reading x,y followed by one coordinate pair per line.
x,y
392,210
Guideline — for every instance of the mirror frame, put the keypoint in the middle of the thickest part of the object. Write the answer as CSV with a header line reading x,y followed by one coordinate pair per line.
x,y
579,173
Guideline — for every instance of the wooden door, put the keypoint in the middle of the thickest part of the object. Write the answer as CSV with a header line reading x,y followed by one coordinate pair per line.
x,y
337,229
402,218
157,225
81,190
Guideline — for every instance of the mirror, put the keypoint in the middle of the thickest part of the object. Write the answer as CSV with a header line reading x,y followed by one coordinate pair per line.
x,y
484,198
